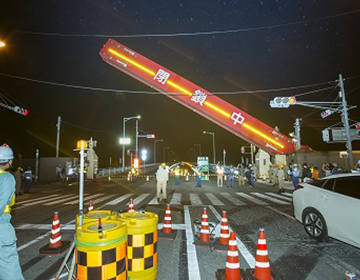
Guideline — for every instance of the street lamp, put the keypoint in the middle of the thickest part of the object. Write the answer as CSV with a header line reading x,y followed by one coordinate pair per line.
x,y
123,147
161,140
2,44
199,148
213,135
164,154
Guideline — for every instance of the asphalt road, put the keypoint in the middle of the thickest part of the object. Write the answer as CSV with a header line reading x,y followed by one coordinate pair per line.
x,y
293,255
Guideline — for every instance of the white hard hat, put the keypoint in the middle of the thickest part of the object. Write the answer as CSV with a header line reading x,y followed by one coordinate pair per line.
x,y
250,165
6,153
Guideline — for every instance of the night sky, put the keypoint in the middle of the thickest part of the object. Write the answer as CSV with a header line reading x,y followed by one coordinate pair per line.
x,y
278,44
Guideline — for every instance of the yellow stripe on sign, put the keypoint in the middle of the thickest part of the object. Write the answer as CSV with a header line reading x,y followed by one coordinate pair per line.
x,y
249,127
138,65
212,106
179,87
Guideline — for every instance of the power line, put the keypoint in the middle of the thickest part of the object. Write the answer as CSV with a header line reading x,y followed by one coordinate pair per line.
x,y
158,93
190,33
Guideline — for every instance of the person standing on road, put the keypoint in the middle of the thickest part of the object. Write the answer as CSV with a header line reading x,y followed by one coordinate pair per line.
x,y
241,175
162,176
275,177
18,179
250,175
177,176
315,173
198,180
271,174
230,182
9,258
58,173
307,175
28,179
295,174
281,177
133,175
220,174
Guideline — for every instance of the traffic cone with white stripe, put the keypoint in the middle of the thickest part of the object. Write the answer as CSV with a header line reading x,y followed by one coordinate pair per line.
x,y
262,265
56,245
167,231
222,244
204,239
131,206
91,206
232,270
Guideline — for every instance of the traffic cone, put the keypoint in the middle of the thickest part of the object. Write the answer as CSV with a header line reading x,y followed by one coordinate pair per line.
x,y
223,243
204,239
91,207
131,206
167,231
350,275
262,265
232,269
56,245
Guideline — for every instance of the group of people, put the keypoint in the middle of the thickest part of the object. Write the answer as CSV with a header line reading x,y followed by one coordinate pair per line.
x,y
243,173
23,179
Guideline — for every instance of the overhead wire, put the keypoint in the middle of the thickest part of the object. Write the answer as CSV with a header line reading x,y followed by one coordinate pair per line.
x,y
216,32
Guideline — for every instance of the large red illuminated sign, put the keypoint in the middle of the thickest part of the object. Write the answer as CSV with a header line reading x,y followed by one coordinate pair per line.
x,y
196,98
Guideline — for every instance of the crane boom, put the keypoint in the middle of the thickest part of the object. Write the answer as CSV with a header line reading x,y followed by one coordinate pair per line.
x,y
196,98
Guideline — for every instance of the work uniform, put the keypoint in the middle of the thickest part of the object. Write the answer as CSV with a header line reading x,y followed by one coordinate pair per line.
x,y
281,175
28,180
271,174
162,176
230,182
275,177
177,176
241,176
198,180
295,173
9,258
133,175
220,173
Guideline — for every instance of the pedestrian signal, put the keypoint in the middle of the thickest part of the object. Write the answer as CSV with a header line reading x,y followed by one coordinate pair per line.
x,y
20,110
358,129
243,150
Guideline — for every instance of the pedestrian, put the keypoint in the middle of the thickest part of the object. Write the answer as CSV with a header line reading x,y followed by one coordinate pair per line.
x,y
250,175
295,175
9,258
162,176
133,174
281,177
271,173
336,169
70,175
198,180
315,173
177,176
275,177
306,174
326,169
230,182
58,173
18,180
286,169
241,175
220,174
28,179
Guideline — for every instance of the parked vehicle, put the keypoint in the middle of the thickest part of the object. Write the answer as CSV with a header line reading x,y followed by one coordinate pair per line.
x,y
330,207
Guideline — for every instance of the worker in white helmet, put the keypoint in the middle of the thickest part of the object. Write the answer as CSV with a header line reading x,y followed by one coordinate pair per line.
x,y
9,258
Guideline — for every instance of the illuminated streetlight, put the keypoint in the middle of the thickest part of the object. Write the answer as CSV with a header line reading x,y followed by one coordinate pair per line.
x,y
2,44
123,146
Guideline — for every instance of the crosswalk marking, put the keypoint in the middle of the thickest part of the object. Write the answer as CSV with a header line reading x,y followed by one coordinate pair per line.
x,y
271,198
176,199
42,201
140,198
121,198
232,199
60,200
85,198
288,194
195,199
252,199
153,201
214,200
279,196
37,199
103,198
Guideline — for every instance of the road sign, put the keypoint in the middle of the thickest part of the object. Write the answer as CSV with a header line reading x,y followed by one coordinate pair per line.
x,y
125,141
327,113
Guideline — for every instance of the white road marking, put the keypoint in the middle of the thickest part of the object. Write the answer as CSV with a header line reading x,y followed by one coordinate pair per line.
x,y
195,199
36,199
176,199
271,198
60,200
288,194
279,196
232,199
85,198
139,198
193,265
102,199
282,213
42,201
214,200
121,198
252,199
153,201
241,247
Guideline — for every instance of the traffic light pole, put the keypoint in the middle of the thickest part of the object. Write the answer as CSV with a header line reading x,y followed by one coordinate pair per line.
x,y
58,136
297,134
345,120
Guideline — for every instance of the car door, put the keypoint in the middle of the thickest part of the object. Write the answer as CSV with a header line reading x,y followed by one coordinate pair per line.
x,y
324,200
346,208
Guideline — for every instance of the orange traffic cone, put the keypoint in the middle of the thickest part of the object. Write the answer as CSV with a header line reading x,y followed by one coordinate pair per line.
x,y
131,206
167,221
56,245
91,207
262,265
232,270
204,232
224,230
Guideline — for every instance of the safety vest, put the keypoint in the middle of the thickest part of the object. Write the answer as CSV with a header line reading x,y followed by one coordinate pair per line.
x,y
220,171
177,173
7,209
133,171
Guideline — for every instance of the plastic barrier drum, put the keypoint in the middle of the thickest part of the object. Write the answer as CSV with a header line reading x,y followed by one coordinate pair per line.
x,y
142,244
94,216
101,248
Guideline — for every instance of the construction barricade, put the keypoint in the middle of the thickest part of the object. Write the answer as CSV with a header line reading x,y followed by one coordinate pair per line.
x,y
142,244
101,247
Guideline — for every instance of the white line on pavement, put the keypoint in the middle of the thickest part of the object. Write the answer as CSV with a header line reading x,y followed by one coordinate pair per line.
x,y
85,198
121,198
279,196
60,200
241,247
271,198
281,213
195,199
288,194
214,200
252,199
176,199
140,198
36,199
153,201
40,201
193,266
232,199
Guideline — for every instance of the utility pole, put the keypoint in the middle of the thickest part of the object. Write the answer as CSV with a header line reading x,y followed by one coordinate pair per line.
x,y
58,136
345,120
252,153
224,156
137,141
297,134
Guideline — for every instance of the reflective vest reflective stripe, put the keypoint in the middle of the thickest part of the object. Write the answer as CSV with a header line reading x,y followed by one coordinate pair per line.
x,y
7,209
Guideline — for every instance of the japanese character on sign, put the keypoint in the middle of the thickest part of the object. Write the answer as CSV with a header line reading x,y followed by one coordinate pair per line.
x,y
199,97
237,118
162,76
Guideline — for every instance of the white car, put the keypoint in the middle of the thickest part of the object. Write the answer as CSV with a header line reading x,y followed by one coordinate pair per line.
x,y
330,207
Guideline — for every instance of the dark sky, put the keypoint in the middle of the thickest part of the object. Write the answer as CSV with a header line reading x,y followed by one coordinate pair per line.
x,y
303,51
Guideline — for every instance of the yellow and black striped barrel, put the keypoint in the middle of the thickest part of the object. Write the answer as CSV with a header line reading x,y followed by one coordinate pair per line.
x,y
101,255
142,244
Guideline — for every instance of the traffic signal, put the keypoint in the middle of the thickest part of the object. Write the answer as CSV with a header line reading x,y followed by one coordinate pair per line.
x,y
136,163
243,150
282,102
358,129
326,135
20,110
327,113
